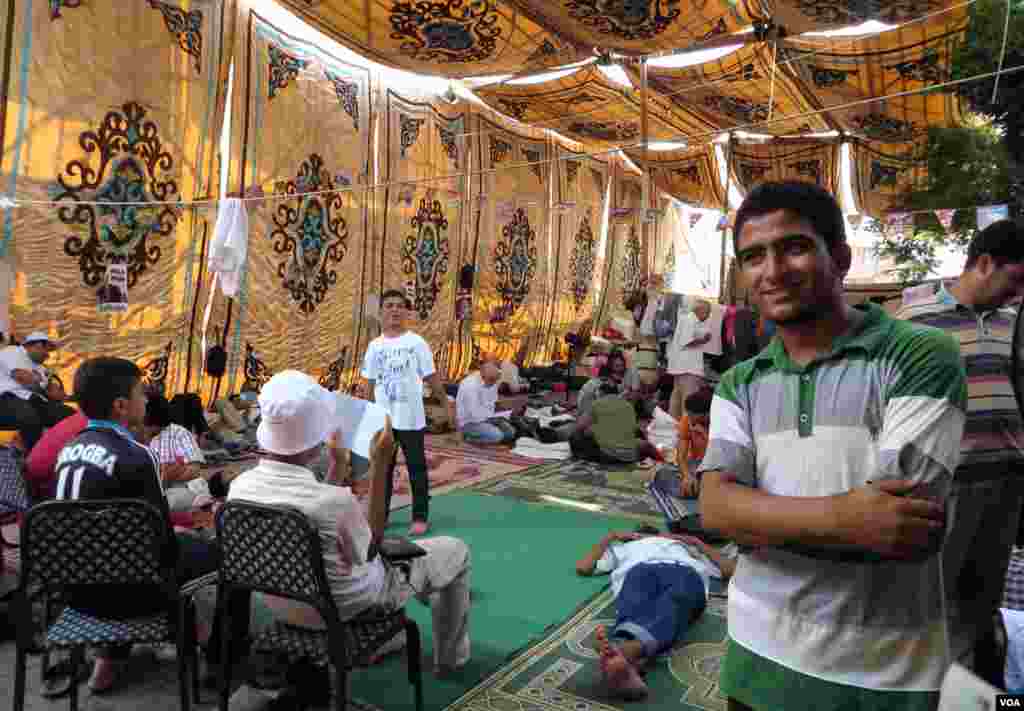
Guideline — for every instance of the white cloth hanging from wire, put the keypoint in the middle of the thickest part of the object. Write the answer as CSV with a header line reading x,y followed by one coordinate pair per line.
x,y
228,252
230,246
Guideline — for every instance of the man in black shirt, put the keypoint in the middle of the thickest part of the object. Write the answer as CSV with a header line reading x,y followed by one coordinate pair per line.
x,y
106,462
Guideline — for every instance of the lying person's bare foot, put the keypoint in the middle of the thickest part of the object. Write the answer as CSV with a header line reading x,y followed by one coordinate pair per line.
x,y
620,675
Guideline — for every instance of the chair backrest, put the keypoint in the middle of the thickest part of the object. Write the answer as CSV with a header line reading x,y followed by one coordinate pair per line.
x,y
14,492
96,542
274,550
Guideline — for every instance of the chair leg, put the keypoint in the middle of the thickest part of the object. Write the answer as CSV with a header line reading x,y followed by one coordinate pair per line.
x,y
415,663
185,652
20,662
77,660
341,693
225,652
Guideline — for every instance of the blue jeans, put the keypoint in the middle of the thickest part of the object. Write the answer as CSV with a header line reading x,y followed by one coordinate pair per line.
x,y
496,430
657,604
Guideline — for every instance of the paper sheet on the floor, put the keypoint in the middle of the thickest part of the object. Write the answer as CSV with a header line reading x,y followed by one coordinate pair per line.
x,y
533,449
663,432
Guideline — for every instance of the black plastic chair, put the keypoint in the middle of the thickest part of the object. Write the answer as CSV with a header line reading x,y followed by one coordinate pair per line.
x,y
276,550
88,543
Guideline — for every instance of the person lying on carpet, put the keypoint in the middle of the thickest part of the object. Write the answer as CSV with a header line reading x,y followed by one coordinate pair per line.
x,y
297,419
660,582
476,403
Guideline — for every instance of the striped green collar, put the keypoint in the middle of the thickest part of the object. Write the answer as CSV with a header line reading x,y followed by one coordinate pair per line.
x,y
867,336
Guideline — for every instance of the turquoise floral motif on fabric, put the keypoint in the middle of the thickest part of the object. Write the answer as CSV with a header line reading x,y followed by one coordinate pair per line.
x,y
256,371
751,174
737,108
690,174
581,263
515,260
626,19
632,274
928,69
882,175
572,168
425,255
826,77
606,130
311,234
500,150
283,69
446,31
533,157
348,94
57,5
125,163
186,27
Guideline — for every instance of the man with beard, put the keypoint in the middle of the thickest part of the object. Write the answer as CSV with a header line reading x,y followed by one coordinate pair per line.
x,y
830,457
23,380
987,488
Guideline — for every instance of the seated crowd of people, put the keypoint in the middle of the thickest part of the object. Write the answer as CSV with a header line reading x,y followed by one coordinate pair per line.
x,y
826,461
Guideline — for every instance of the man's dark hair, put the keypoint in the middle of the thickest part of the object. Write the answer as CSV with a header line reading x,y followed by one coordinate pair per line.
x,y
1002,240
699,403
158,412
101,381
395,294
606,369
805,200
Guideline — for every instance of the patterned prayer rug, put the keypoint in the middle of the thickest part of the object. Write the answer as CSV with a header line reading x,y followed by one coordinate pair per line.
x,y
452,468
618,491
561,672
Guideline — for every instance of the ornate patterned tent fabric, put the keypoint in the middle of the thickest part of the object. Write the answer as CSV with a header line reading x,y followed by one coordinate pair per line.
x,y
587,107
882,173
799,16
690,175
813,162
512,240
904,59
75,132
447,37
580,193
422,242
737,91
302,124
624,273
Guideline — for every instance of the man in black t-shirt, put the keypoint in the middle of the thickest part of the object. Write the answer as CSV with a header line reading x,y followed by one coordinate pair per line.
x,y
106,462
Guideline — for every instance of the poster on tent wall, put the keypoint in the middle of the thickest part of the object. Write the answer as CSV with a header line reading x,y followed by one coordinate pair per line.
x,y
76,133
302,123
624,271
580,203
511,241
422,211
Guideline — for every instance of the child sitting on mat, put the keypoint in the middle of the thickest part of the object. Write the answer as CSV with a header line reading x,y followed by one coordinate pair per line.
x,y
660,582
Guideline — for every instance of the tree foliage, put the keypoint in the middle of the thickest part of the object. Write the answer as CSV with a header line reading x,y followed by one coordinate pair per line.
x,y
967,167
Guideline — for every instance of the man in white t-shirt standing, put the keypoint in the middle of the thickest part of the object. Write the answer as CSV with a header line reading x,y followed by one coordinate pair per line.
x,y
23,381
396,365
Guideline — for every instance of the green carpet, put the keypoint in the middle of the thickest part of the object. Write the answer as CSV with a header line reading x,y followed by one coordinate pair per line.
x,y
561,673
619,491
523,583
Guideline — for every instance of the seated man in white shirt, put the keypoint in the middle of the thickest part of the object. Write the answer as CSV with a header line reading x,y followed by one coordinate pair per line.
x,y
661,583
24,404
298,416
475,407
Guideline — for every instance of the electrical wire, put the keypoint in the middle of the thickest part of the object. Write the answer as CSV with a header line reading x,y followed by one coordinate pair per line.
x,y
1002,52
6,202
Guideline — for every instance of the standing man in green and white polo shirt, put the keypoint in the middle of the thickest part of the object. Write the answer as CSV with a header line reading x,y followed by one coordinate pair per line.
x,y
830,457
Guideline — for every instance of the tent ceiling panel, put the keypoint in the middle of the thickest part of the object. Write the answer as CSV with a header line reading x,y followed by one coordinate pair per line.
x,y
587,107
688,175
906,59
810,162
798,16
455,38
737,91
